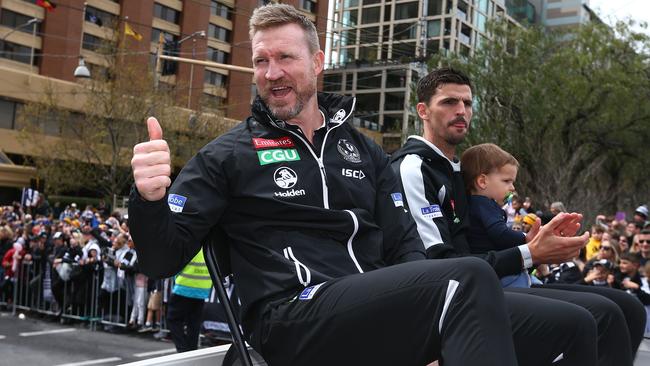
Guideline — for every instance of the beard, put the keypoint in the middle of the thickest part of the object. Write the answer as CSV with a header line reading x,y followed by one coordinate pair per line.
x,y
454,139
286,111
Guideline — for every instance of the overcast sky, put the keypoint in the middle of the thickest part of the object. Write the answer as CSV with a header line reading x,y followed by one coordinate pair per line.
x,y
612,10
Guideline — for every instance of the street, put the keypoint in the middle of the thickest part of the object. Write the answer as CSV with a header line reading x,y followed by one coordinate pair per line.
x,y
33,341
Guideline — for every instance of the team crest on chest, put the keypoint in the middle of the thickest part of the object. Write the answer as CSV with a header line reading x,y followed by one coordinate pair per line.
x,y
348,151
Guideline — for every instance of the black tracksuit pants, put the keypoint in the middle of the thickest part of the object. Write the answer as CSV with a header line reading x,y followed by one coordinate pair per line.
x,y
620,318
184,317
411,314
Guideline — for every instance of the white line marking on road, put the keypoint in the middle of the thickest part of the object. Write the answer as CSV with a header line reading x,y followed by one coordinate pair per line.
x,y
2,337
153,353
42,332
91,362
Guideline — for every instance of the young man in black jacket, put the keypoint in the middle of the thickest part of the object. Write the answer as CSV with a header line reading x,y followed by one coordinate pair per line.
x,y
328,262
434,193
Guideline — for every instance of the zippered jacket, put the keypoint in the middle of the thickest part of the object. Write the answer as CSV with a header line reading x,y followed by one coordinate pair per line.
x,y
296,214
434,193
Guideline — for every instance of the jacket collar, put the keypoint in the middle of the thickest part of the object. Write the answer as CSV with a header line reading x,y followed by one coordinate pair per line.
x,y
336,109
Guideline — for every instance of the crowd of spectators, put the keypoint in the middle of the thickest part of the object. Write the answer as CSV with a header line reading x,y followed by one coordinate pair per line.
x,y
62,252
617,254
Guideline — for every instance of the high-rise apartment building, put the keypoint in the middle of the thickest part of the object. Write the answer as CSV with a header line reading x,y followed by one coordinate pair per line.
x,y
554,14
40,46
377,48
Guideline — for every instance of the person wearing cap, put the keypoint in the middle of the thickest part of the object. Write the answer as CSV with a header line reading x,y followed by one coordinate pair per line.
x,y
641,215
599,274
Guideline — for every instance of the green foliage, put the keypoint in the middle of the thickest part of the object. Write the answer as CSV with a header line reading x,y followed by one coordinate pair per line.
x,y
571,107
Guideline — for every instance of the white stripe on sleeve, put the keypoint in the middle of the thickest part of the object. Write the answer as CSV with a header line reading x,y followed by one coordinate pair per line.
x,y
414,190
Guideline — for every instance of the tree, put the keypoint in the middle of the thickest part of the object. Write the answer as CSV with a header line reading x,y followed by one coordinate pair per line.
x,y
95,141
570,106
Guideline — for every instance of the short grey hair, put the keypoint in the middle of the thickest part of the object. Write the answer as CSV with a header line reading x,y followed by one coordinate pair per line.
x,y
276,15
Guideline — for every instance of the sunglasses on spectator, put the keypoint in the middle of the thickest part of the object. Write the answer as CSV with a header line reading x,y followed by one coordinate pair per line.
x,y
641,241
605,248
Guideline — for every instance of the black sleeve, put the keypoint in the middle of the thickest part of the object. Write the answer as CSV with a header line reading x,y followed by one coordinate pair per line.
x,y
166,240
401,240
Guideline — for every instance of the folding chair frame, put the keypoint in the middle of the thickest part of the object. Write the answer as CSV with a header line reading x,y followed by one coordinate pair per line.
x,y
217,257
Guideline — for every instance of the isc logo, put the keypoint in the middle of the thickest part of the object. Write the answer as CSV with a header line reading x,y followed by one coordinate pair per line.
x,y
277,155
352,173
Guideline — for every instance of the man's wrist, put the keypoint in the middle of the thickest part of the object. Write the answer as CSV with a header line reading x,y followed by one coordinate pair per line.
x,y
526,256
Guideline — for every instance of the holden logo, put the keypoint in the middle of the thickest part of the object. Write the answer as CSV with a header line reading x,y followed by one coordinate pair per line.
x,y
339,116
348,151
285,177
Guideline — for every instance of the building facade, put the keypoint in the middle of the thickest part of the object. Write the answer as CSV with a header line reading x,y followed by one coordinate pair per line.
x,y
377,49
40,46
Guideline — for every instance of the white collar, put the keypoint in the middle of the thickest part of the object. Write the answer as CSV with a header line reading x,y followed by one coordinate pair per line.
x,y
455,165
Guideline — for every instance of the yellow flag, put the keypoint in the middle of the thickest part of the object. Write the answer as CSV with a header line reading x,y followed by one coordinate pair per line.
x,y
130,32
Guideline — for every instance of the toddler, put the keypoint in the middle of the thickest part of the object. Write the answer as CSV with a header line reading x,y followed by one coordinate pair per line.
x,y
490,173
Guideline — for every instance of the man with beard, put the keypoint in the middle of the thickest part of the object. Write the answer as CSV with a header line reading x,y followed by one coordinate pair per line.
x,y
435,195
313,219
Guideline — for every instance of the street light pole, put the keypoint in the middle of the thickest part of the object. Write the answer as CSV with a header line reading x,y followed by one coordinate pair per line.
x,y
29,22
31,56
189,93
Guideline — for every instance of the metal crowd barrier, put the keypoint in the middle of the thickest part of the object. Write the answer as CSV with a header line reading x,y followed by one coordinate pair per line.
x,y
81,298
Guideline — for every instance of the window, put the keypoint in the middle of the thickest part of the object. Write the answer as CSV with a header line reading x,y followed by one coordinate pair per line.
x,y
387,14
18,21
350,18
434,7
219,56
396,79
100,17
350,3
7,113
349,37
394,101
346,55
369,2
220,10
155,33
165,13
369,53
404,51
368,103
308,5
331,82
406,11
215,78
91,42
369,80
369,35
404,31
370,15
218,32
433,28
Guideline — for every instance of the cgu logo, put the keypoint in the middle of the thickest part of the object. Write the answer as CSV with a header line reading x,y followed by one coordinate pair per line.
x,y
277,155
351,173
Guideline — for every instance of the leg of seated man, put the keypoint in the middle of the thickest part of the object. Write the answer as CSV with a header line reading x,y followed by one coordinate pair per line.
x,y
409,314
630,307
613,337
551,332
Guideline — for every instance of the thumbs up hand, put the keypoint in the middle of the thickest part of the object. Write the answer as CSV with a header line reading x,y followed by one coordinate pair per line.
x,y
151,164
